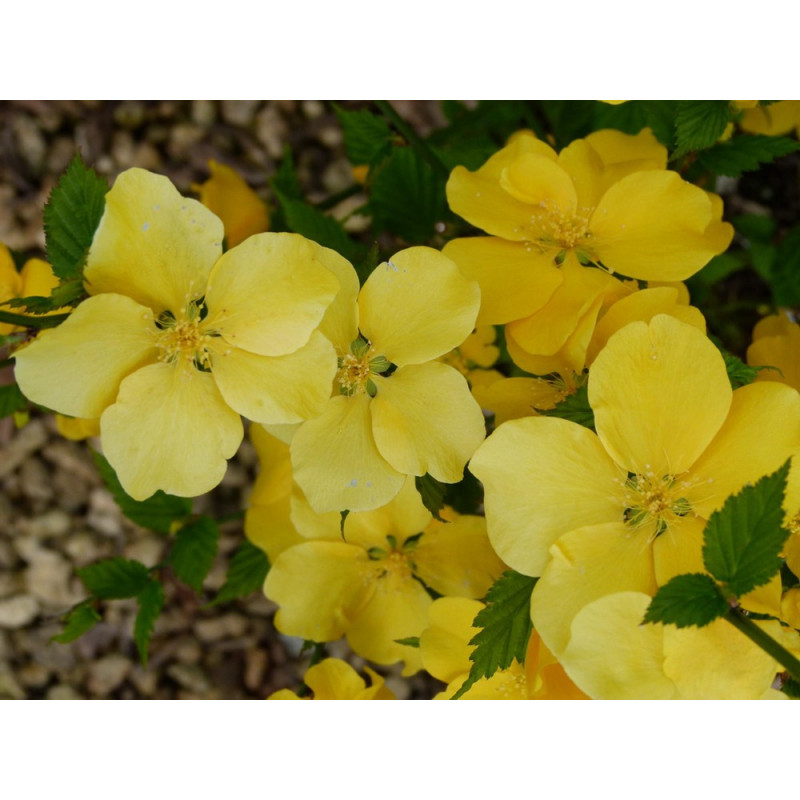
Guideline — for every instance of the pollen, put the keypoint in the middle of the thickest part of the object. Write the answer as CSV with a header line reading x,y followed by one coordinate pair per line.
x,y
550,226
654,501
184,342
353,374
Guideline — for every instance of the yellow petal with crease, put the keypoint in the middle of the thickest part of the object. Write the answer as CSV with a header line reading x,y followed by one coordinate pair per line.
x,y
424,419
269,293
76,368
275,389
170,429
539,181
417,306
679,549
152,244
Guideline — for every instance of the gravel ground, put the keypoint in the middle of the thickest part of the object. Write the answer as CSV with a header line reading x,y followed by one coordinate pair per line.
x,y
55,514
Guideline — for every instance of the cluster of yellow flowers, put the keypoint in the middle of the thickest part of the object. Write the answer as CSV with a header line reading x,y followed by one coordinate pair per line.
x,y
355,391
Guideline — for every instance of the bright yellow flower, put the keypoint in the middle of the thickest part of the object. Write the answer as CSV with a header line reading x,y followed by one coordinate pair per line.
x,y
384,423
625,509
368,585
776,343
334,679
775,119
177,340
242,211
35,279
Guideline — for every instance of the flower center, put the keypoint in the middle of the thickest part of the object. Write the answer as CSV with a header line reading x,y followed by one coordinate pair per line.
x,y
549,226
395,560
183,340
656,502
357,367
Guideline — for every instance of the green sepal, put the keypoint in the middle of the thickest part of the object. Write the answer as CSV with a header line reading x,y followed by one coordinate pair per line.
x,y
80,620
71,216
687,600
745,152
158,513
574,407
505,626
409,641
194,550
115,578
744,539
247,571
150,601
432,493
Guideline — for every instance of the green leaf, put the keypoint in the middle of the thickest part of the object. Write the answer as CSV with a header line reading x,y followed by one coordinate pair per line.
x,y
285,179
785,271
407,197
247,572
700,123
569,119
464,496
312,223
791,688
755,227
505,628
150,601
71,216
739,373
194,550
743,540
432,493
367,136
744,153
157,513
409,641
687,600
575,407
11,400
69,293
115,578
80,620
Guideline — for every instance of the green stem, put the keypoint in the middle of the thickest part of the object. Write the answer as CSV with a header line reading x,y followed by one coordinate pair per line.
x,y
410,135
764,641
28,321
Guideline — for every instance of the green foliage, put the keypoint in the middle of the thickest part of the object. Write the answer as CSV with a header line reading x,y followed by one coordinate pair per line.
x,y
785,272
247,572
11,400
115,578
745,152
791,688
69,293
314,224
71,216
743,540
432,493
464,496
739,373
700,123
367,136
285,179
505,626
194,550
633,116
150,601
80,620
568,119
687,600
158,513
407,197
575,407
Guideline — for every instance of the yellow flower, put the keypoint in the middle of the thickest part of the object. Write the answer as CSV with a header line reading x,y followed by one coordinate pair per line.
x,y
242,211
334,679
396,411
177,340
776,343
76,429
624,509
775,119
368,584
36,279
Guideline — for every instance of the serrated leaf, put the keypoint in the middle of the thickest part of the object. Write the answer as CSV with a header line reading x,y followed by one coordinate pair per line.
x,y
151,602
71,216
505,628
687,600
432,493
744,538
785,271
409,641
65,294
745,152
407,197
11,400
80,620
700,123
739,373
367,136
115,578
194,550
575,408
158,513
314,224
247,572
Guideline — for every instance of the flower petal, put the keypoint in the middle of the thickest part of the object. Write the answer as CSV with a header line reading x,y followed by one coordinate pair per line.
x,y
542,477
267,294
275,389
77,368
444,644
152,244
417,306
336,461
424,419
170,429
660,393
